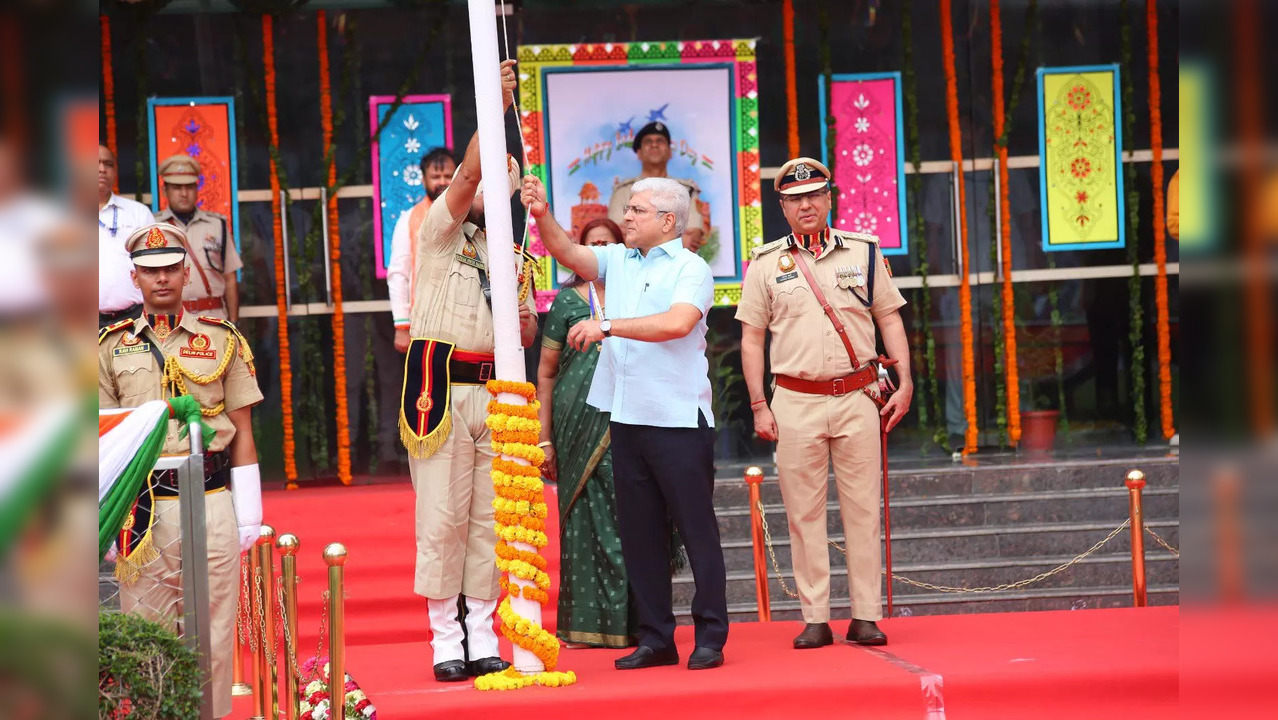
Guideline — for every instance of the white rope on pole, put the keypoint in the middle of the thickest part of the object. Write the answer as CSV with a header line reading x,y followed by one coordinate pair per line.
x,y
508,350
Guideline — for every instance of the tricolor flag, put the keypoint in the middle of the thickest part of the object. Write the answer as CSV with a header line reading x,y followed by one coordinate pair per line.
x,y
129,443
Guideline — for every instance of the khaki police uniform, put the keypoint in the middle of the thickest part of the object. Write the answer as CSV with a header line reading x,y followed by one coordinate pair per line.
x,y
815,429
215,366
455,527
210,244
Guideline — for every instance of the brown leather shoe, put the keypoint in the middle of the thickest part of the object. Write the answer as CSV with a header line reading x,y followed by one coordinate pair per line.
x,y
865,632
814,635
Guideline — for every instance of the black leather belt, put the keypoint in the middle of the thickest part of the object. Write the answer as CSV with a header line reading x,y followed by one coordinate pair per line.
x,y
469,373
217,475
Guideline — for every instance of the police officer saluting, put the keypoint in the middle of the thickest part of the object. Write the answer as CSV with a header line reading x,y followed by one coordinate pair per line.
x,y
164,353
821,292
211,252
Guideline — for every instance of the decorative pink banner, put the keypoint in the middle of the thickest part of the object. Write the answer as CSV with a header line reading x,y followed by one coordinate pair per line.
x,y
868,160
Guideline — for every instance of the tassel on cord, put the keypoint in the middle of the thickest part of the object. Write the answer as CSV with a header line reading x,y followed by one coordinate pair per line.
x,y
421,447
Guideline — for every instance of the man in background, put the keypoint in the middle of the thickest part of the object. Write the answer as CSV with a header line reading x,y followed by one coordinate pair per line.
x,y
211,253
438,167
118,217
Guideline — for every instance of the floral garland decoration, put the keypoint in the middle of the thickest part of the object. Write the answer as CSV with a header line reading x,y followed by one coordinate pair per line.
x,y
277,229
1160,225
930,404
1006,369
1135,284
791,90
315,702
965,284
108,90
334,240
520,512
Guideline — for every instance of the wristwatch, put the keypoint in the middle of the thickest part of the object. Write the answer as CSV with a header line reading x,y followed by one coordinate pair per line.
x,y
606,328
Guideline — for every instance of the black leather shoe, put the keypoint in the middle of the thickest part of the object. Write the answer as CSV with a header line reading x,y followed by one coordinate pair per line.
x,y
865,632
646,657
451,671
704,658
814,635
483,666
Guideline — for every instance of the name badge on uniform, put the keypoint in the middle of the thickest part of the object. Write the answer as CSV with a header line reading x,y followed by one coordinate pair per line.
x,y
470,256
131,349
788,276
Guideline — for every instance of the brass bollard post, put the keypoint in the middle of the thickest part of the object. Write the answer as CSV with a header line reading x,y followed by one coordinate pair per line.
x,y
270,698
288,545
335,558
753,479
238,686
255,628
1135,483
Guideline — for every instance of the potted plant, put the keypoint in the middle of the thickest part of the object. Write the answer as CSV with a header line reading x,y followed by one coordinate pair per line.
x,y
1038,426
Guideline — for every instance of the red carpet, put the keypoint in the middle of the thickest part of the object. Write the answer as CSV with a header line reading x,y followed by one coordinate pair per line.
x,y
1093,663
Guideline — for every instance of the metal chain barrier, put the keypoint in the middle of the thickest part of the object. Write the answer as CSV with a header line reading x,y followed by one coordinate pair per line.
x,y
776,566
244,613
1175,552
317,673
263,608
289,648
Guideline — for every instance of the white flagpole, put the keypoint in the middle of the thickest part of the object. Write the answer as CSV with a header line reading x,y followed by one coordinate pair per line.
x,y
508,349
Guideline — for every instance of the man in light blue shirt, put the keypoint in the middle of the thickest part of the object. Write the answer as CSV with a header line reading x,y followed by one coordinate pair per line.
x,y
652,377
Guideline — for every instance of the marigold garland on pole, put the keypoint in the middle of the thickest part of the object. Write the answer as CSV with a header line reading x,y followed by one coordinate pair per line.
x,y
965,285
1005,226
334,242
277,229
108,91
1160,225
520,512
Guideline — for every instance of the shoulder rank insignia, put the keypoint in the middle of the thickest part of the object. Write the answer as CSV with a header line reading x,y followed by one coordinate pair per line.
x,y
863,237
104,332
242,349
765,249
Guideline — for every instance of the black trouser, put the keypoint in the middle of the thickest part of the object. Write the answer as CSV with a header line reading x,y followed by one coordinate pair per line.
x,y
665,473
133,312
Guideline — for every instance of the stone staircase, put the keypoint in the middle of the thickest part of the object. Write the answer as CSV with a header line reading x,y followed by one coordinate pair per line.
x,y
974,526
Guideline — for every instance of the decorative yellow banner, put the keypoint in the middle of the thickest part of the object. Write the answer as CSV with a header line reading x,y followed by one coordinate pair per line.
x,y
1192,206
1080,144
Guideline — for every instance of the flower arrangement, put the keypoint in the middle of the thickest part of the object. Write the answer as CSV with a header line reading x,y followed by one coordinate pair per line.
x,y
316,700
520,512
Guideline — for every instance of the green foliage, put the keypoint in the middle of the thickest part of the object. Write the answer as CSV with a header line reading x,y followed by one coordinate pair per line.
x,y
44,667
144,670
723,352
929,405
1136,331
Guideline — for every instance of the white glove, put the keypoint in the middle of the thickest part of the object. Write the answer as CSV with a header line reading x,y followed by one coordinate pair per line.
x,y
246,497
112,553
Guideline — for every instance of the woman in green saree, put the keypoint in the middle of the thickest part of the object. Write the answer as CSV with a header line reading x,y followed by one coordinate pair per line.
x,y
594,603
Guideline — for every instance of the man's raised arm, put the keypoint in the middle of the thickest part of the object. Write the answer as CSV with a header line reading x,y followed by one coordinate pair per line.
x,y
577,258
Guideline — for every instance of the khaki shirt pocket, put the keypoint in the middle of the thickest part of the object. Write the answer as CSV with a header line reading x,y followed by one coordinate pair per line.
x,y
791,299
137,378
464,294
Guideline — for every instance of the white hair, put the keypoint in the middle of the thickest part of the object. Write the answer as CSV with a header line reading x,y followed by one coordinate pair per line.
x,y
667,196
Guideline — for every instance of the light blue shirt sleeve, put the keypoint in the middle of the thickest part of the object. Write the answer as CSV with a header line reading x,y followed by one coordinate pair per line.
x,y
695,286
601,257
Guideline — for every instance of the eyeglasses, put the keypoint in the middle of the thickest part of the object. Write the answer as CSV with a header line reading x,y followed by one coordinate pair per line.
x,y
641,210
814,196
